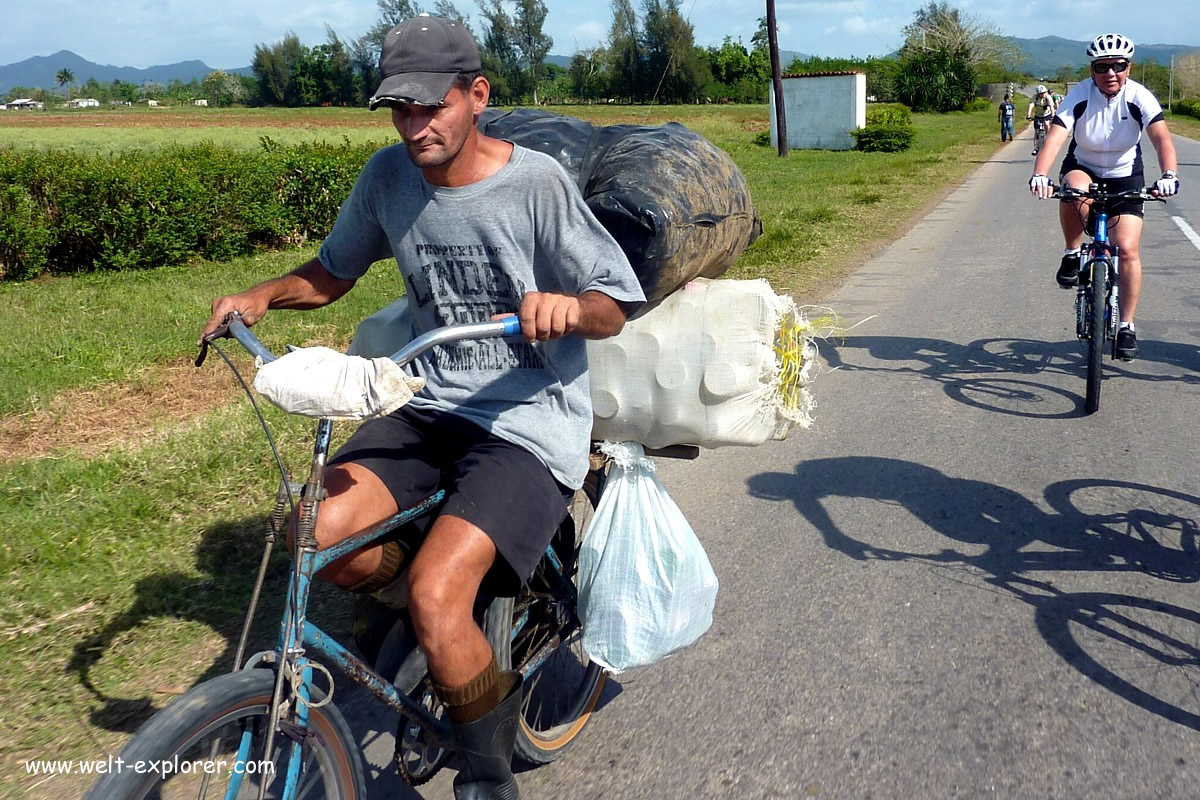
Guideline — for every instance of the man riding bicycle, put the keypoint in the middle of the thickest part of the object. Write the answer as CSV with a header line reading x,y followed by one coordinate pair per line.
x,y
1041,111
1104,117
478,227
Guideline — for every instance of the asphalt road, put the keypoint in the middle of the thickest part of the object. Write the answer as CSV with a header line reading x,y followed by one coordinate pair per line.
x,y
956,585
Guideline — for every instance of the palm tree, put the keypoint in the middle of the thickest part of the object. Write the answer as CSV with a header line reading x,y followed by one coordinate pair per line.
x,y
64,77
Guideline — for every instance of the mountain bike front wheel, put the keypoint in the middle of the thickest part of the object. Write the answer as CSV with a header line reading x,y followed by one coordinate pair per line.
x,y
192,748
1097,295
562,685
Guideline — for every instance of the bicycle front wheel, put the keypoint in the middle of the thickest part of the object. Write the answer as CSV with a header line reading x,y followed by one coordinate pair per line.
x,y
1095,343
191,749
562,685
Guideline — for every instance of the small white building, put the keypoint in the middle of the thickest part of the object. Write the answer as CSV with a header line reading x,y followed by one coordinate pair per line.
x,y
25,104
83,102
821,109
200,102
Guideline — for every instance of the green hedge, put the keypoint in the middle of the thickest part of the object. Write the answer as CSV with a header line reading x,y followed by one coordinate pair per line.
x,y
888,114
1189,107
65,212
889,129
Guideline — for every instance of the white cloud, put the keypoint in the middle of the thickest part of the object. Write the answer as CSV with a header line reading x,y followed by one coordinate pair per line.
x,y
587,35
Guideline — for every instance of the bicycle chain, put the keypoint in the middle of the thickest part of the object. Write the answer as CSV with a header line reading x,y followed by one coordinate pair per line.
x,y
413,780
398,755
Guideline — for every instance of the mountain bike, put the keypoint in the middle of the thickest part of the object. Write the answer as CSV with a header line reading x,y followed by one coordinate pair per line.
x,y
1040,126
271,729
1097,307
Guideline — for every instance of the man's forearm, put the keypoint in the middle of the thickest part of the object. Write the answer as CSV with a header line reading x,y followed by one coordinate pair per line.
x,y
600,316
308,286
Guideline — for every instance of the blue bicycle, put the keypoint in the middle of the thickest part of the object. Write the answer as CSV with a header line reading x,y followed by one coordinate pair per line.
x,y
1097,307
271,729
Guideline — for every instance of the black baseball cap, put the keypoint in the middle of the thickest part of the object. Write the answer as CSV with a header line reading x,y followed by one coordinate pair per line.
x,y
420,59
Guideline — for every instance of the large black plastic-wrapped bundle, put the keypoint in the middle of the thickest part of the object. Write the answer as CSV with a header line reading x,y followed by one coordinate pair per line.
x,y
677,204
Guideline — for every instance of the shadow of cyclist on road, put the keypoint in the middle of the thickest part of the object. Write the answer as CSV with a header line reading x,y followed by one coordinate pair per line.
x,y
1003,374
1095,526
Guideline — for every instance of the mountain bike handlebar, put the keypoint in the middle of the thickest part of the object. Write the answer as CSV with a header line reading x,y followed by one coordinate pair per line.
x,y
1095,192
508,326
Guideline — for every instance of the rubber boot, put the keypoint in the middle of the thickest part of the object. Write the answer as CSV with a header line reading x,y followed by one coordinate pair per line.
x,y
485,749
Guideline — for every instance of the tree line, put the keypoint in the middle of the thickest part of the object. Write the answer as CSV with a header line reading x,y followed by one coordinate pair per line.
x,y
649,56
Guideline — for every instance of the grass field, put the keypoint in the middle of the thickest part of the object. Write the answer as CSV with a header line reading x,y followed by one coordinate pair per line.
x,y
1183,125
133,487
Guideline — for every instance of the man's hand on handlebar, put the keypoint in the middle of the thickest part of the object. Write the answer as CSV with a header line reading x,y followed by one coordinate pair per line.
x,y
250,305
548,315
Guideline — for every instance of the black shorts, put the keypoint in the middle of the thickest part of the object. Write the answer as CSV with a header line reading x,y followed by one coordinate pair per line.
x,y
500,487
1135,181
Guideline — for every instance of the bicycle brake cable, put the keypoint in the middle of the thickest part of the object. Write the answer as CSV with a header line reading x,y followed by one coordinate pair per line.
x,y
262,567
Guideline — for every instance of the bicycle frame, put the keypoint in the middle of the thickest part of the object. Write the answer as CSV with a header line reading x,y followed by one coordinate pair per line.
x,y
298,636
1103,251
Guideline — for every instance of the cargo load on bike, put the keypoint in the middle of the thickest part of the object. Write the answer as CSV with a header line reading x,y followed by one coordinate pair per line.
x,y
676,204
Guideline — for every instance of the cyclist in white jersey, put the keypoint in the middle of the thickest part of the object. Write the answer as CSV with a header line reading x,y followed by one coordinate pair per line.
x,y
1104,118
1041,111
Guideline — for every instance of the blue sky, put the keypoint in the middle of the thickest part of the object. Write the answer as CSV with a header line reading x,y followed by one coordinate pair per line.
x,y
222,33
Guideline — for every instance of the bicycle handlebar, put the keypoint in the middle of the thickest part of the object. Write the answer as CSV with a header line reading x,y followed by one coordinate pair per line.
x,y
508,326
1097,193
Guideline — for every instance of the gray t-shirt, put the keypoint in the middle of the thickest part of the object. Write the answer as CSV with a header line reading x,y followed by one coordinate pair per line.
x,y
469,252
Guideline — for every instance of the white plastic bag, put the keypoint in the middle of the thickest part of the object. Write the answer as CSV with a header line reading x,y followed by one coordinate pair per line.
x,y
646,587
320,382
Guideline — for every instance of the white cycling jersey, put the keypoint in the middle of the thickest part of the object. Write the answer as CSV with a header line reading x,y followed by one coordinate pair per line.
x,y
1106,134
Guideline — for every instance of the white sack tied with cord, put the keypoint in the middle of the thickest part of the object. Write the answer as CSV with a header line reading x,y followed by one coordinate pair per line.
x,y
320,382
717,363
646,587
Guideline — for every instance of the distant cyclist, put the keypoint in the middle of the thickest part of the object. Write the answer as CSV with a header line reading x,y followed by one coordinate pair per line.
x,y
1104,117
1005,114
1041,111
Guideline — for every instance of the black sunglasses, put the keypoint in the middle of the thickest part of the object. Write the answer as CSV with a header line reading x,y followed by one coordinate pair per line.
x,y
1100,68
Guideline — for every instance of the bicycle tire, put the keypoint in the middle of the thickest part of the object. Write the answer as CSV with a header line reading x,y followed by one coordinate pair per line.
x,y
561,694
1097,292
221,710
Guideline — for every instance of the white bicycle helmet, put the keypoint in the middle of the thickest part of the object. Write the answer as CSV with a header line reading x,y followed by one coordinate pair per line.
x,y
1041,89
1110,45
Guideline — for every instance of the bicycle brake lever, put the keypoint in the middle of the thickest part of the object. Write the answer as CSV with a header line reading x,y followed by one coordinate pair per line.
x,y
203,352
221,330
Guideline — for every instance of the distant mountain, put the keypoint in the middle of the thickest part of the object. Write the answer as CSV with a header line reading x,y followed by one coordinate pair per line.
x,y
39,72
1049,53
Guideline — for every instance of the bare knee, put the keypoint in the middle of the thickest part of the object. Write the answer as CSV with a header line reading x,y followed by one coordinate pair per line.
x,y
352,504
439,604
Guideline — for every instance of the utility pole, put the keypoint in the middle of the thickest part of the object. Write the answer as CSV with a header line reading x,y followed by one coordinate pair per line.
x,y
1171,82
776,81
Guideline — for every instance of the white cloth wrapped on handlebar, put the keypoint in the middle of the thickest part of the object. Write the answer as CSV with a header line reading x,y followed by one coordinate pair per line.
x,y
320,382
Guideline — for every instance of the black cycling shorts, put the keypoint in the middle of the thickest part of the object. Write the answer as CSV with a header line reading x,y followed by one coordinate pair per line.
x,y
1135,181
499,487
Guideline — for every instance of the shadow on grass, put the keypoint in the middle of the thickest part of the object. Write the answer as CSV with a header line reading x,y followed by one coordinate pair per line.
x,y
228,559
